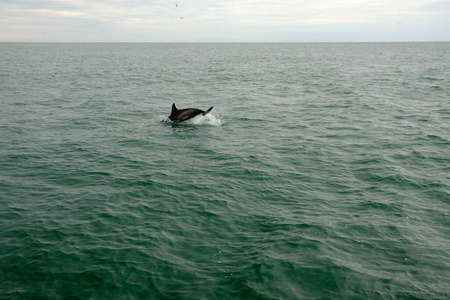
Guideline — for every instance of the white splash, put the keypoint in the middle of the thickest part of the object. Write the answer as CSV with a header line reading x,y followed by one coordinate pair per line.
x,y
209,119
162,119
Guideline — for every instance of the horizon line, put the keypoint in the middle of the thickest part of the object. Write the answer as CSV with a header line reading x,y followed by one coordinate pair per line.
x,y
227,42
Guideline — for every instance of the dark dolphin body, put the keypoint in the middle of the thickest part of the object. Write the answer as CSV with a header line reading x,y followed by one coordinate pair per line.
x,y
180,115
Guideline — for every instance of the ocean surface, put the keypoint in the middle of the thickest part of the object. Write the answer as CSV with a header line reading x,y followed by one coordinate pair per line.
x,y
323,171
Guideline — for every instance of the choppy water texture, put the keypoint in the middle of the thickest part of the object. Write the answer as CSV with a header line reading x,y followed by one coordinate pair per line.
x,y
322,172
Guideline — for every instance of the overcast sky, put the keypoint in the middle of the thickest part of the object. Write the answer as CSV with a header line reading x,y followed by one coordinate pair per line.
x,y
224,20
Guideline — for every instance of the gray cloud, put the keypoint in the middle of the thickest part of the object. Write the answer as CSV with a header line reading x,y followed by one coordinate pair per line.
x,y
201,20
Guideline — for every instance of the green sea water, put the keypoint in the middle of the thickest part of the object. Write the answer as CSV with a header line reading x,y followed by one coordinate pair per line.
x,y
323,171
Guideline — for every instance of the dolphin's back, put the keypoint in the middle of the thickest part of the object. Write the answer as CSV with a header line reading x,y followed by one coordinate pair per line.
x,y
180,115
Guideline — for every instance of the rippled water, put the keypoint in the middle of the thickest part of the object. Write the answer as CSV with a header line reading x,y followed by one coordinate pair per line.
x,y
322,172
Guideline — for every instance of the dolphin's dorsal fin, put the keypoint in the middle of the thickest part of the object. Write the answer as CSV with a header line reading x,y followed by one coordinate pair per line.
x,y
174,109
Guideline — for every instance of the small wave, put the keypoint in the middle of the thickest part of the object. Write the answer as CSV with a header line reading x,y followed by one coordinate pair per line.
x,y
429,78
437,138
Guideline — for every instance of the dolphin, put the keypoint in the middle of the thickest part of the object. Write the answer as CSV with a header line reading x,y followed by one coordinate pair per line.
x,y
180,115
